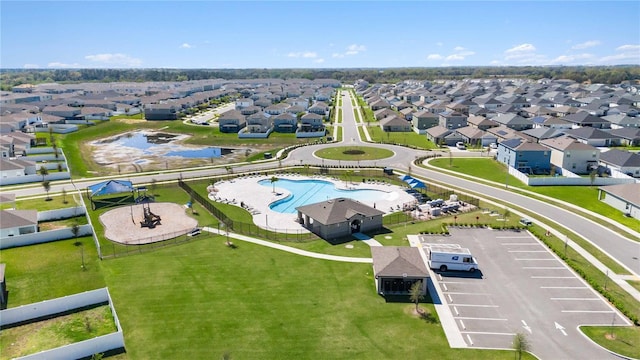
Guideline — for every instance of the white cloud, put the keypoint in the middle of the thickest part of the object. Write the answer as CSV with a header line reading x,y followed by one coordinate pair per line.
x,y
628,48
521,49
30,66
318,61
114,60
303,54
458,48
56,64
568,59
454,57
434,57
439,43
186,46
585,45
626,54
353,49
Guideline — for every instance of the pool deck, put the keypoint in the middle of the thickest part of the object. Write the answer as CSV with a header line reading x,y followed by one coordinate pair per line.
x,y
256,198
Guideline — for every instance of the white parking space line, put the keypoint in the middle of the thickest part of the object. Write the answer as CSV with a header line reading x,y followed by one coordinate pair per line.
x,y
445,287
450,299
590,311
470,341
523,259
477,305
544,268
462,325
511,244
563,287
576,299
513,237
456,311
553,277
487,333
459,282
477,318
467,293
527,251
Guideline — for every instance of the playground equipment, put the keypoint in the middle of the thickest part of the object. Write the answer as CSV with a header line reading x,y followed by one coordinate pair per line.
x,y
150,219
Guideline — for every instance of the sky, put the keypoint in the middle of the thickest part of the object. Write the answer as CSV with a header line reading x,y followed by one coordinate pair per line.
x,y
316,34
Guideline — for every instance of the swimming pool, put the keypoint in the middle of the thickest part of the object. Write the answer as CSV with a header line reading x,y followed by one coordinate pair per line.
x,y
305,192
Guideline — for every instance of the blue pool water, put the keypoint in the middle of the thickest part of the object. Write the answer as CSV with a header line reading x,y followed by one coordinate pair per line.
x,y
305,192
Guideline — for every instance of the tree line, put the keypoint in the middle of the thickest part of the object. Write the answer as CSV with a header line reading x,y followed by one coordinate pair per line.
x,y
593,74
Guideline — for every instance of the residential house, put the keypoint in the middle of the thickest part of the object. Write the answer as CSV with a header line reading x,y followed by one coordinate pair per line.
x,y
628,136
243,103
319,108
584,119
311,122
396,269
622,121
622,161
476,137
64,111
395,124
160,112
452,119
438,135
623,197
383,113
594,137
285,123
13,167
541,133
258,122
250,110
277,109
571,154
423,120
18,222
525,156
339,217
407,113
513,121
231,121
379,104
481,122
503,133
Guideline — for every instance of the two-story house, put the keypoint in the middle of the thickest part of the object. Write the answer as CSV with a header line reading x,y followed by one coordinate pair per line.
x,y
452,119
525,156
571,154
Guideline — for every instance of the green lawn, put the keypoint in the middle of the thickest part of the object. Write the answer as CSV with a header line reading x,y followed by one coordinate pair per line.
x,y
62,330
410,139
489,169
622,340
202,299
354,153
46,271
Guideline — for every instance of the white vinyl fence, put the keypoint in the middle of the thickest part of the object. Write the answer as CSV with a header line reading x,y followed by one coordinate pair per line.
x,y
35,311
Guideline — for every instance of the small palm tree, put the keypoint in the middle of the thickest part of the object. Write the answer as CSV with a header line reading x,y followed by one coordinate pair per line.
x,y
46,184
520,344
43,171
415,293
273,182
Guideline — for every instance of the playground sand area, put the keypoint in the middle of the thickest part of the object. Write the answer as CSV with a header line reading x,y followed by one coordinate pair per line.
x,y
122,224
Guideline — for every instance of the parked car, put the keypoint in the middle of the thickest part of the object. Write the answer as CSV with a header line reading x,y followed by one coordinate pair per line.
x,y
526,222
460,145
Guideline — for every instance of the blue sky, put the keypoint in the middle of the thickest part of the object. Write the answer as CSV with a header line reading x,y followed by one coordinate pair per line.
x,y
316,34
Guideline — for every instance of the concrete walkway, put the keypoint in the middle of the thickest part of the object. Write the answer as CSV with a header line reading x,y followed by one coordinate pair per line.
x,y
366,239
289,248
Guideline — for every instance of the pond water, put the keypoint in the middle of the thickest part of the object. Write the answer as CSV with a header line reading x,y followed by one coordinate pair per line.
x,y
162,144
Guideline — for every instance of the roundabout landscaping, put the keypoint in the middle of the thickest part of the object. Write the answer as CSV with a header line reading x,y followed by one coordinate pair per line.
x,y
353,153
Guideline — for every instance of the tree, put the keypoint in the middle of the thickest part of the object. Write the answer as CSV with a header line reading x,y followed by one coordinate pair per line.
x,y
415,293
64,196
60,167
520,344
153,186
46,184
75,229
273,182
55,149
592,176
507,213
43,171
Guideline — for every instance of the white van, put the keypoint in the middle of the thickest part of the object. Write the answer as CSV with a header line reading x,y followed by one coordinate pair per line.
x,y
451,257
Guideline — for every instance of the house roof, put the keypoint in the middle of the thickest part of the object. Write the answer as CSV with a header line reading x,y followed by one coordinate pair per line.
x,y
583,118
565,143
398,261
627,192
620,158
337,210
394,121
439,131
14,218
588,133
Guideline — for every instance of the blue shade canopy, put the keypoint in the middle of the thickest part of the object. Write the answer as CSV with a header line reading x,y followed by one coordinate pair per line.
x,y
111,187
417,184
406,177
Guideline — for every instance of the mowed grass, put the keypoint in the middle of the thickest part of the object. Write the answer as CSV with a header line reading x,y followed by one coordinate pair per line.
x,y
622,340
46,271
59,331
202,300
489,169
410,139
342,153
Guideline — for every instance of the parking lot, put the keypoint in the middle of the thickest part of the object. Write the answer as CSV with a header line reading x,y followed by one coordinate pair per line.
x,y
521,287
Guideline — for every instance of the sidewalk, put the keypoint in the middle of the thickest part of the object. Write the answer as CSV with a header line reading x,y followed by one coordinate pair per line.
x,y
289,248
